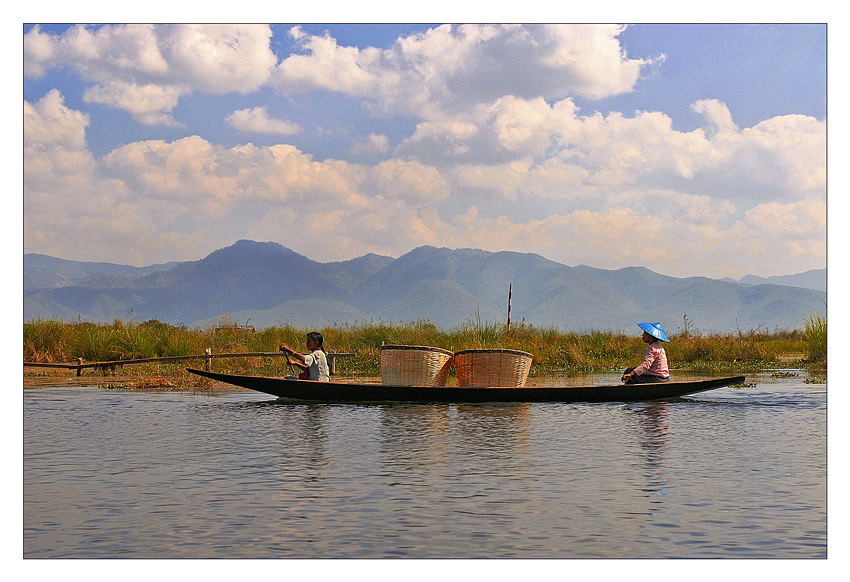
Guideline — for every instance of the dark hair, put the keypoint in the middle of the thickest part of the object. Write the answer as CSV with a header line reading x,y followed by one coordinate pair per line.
x,y
316,337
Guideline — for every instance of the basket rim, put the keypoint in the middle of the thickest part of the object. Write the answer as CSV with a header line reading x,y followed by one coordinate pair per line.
x,y
423,348
518,352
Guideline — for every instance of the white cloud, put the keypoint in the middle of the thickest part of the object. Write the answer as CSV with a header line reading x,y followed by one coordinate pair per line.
x,y
328,66
257,120
70,208
593,59
149,104
530,147
795,147
502,181
203,178
56,156
39,50
219,58
408,181
49,123
455,68
372,144
780,158
156,200
778,222
508,174
445,142
717,115
145,68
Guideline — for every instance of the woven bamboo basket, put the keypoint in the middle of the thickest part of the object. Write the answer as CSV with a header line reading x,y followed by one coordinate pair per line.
x,y
415,365
492,367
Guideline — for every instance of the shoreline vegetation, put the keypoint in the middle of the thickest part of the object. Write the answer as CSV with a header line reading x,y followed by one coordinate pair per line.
x,y
556,353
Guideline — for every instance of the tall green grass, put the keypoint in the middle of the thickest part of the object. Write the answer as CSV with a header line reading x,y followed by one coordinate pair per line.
x,y
554,352
815,336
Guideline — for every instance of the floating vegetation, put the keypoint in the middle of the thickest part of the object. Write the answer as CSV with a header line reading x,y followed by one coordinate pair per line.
x,y
147,384
743,385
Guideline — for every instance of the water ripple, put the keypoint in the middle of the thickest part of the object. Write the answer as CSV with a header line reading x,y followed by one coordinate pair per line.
x,y
732,473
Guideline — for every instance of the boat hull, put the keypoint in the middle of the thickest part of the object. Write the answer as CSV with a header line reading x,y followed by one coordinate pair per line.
x,y
348,392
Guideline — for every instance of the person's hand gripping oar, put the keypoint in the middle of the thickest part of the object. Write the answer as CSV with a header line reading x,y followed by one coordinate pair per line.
x,y
298,374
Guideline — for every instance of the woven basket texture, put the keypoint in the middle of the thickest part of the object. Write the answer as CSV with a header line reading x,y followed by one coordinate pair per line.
x,y
415,365
492,367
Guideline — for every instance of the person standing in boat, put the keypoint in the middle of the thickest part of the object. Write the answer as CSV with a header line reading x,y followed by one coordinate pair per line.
x,y
315,364
654,365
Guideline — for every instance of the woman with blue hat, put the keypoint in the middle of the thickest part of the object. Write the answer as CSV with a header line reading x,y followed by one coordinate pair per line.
x,y
654,365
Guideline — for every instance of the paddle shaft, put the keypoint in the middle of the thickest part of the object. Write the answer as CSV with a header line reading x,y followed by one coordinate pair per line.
x,y
291,365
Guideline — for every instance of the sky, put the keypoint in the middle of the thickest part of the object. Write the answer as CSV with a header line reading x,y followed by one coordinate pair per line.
x,y
693,150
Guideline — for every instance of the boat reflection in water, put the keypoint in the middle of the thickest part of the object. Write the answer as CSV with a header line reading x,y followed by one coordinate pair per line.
x,y
655,443
440,434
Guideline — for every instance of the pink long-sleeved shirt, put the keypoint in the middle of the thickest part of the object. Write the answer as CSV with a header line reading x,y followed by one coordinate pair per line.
x,y
654,361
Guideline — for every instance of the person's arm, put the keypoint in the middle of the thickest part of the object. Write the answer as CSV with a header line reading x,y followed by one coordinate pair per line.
x,y
648,357
300,357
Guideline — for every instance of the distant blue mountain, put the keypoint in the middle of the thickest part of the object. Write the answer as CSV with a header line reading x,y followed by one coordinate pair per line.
x,y
269,284
45,272
814,279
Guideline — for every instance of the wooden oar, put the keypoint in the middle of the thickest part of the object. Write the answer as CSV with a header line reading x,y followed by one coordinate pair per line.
x,y
291,365
288,361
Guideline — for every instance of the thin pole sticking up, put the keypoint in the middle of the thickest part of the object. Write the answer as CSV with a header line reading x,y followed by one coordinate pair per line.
x,y
510,292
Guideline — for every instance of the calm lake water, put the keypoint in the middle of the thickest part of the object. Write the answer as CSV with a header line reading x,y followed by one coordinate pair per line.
x,y
731,473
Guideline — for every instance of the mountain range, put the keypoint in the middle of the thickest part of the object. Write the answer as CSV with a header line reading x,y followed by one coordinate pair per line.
x,y
266,284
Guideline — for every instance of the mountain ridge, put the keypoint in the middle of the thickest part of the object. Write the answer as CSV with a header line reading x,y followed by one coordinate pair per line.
x,y
271,285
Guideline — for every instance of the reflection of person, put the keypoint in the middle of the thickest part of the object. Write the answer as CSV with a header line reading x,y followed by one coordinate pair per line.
x,y
314,364
654,365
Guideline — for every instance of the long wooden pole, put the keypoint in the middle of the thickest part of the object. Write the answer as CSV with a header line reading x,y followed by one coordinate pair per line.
x,y
79,366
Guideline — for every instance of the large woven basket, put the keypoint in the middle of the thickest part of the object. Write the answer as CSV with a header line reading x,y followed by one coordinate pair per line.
x,y
492,367
415,365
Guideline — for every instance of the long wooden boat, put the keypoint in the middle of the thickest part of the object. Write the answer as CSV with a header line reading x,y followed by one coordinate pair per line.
x,y
351,392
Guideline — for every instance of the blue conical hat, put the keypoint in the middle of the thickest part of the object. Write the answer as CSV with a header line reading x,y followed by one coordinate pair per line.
x,y
655,330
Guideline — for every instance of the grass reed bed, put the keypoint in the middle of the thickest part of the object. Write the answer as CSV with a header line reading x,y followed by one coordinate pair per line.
x,y
815,336
555,353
